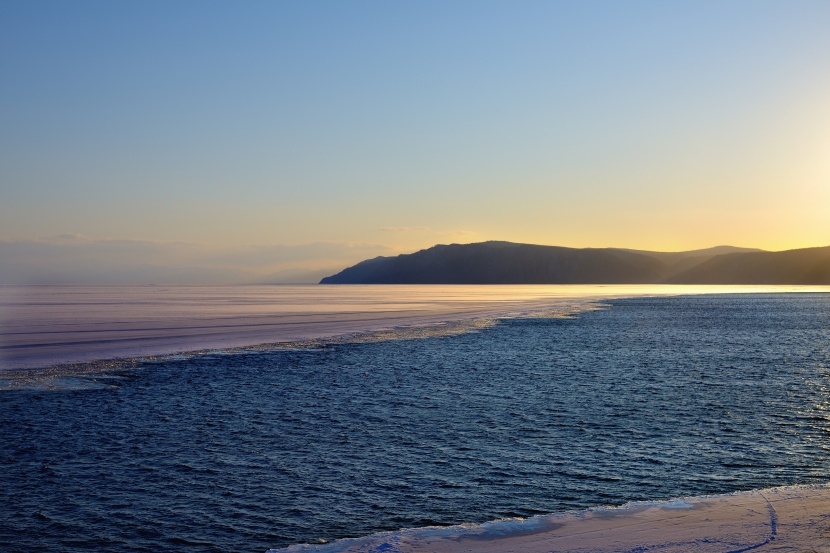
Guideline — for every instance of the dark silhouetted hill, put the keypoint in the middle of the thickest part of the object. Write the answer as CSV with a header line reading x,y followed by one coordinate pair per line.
x,y
803,266
509,263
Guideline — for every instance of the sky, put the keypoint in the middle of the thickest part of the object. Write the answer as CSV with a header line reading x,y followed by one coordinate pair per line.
x,y
278,141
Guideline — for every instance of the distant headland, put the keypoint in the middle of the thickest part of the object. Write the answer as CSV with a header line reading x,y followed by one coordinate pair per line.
x,y
498,262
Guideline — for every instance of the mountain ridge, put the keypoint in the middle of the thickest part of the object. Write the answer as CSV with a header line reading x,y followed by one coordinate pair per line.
x,y
500,262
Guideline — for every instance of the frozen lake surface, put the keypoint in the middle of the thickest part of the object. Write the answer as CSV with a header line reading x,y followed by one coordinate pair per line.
x,y
647,399
44,326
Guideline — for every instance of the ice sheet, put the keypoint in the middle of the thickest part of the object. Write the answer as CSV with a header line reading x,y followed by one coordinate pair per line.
x,y
46,326
780,519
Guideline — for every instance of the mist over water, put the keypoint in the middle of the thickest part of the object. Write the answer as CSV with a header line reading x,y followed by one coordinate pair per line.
x,y
651,398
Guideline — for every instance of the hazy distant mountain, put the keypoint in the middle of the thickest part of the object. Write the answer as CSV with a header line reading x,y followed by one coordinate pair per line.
x,y
509,263
804,266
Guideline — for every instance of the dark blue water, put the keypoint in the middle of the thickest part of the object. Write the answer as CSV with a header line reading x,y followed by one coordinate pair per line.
x,y
651,399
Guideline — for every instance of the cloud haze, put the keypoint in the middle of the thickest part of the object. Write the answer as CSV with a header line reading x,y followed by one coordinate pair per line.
x,y
73,259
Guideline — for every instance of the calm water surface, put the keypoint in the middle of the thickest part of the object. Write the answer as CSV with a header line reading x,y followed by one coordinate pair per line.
x,y
649,399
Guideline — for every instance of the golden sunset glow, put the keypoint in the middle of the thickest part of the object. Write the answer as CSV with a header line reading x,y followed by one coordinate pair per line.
x,y
262,146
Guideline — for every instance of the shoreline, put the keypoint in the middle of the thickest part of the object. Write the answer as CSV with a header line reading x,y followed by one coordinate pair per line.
x,y
786,518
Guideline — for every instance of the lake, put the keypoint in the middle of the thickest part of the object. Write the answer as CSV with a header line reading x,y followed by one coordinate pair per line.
x,y
567,405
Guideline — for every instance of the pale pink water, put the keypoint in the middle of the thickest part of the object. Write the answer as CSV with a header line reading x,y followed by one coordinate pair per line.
x,y
45,326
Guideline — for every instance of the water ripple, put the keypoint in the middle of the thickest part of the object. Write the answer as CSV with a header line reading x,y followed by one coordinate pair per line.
x,y
653,399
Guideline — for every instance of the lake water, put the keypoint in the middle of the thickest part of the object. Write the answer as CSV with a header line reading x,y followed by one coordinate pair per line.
x,y
648,398
43,326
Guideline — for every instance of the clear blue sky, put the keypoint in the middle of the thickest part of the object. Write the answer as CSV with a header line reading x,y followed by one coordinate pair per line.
x,y
236,140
